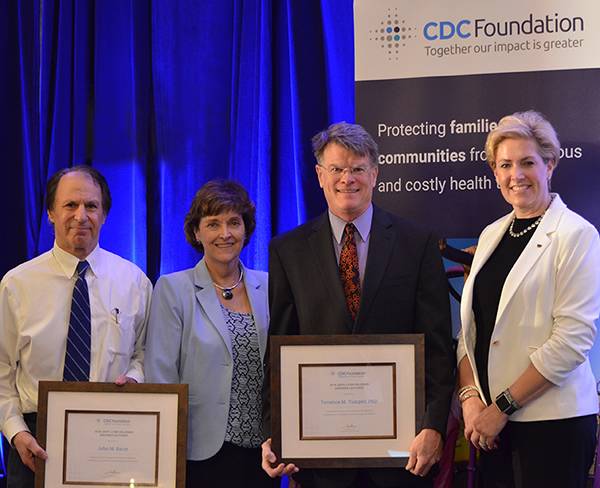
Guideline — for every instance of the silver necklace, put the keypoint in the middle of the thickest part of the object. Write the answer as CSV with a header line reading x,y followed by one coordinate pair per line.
x,y
227,291
529,227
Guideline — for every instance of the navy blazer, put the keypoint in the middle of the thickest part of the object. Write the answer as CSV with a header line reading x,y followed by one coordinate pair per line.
x,y
405,290
188,342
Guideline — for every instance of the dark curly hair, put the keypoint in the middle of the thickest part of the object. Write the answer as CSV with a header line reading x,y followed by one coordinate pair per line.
x,y
214,198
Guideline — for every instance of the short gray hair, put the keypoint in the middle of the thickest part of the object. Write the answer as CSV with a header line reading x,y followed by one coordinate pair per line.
x,y
352,137
524,125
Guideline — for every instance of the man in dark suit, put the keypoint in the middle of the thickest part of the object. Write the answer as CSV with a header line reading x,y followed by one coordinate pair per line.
x,y
357,269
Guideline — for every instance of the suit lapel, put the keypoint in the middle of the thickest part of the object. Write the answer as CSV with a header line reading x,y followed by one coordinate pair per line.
x,y
534,249
258,303
323,255
207,298
485,247
381,244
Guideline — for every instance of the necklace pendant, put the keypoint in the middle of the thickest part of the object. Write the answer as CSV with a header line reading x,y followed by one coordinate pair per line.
x,y
227,292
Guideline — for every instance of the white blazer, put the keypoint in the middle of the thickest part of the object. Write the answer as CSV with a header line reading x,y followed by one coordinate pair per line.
x,y
188,342
548,306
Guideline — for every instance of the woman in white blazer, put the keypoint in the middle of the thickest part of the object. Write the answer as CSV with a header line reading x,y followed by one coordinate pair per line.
x,y
528,310
208,328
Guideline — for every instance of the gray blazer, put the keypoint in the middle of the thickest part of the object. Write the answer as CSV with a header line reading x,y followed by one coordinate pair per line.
x,y
188,342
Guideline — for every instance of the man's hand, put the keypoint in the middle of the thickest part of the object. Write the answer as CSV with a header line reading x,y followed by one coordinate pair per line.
x,y
28,449
425,450
122,379
269,459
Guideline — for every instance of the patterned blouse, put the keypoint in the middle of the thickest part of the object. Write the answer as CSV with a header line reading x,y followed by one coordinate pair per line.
x,y
245,407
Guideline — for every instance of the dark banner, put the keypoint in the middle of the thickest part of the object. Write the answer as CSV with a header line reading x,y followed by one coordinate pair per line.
x,y
431,134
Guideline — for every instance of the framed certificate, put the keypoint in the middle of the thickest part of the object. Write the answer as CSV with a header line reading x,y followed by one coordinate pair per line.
x,y
101,434
346,400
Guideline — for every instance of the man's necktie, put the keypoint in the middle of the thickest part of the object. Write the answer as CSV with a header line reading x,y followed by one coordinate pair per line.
x,y
77,357
349,271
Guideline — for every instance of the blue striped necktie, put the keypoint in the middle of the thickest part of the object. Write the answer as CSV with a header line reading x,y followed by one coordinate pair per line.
x,y
77,357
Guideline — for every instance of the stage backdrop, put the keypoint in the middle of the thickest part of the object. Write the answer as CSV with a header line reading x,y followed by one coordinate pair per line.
x,y
432,81
162,96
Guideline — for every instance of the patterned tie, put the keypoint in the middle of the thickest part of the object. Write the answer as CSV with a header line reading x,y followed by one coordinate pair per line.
x,y
77,358
349,271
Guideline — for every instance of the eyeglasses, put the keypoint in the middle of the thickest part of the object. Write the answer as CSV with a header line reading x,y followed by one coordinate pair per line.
x,y
356,171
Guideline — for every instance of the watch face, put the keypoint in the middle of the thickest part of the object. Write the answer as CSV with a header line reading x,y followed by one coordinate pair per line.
x,y
504,405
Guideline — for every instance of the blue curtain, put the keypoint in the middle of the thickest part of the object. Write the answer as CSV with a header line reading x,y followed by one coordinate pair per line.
x,y
162,96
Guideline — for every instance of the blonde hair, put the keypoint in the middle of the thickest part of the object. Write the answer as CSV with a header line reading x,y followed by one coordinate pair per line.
x,y
524,125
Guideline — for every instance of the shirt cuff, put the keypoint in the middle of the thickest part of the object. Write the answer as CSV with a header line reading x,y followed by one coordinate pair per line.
x,y
136,375
13,426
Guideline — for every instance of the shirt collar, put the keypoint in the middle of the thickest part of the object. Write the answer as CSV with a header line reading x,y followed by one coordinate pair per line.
x,y
362,224
68,262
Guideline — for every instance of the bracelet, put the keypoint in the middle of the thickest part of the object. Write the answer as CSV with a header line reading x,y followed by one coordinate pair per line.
x,y
466,396
466,389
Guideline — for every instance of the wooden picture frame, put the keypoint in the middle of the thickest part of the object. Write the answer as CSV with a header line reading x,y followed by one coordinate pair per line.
x,y
102,434
358,379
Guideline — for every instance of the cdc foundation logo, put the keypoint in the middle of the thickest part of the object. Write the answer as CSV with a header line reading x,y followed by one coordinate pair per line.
x,y
391,34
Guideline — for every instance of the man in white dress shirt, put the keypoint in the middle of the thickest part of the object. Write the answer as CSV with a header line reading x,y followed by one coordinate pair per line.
x,y
35,312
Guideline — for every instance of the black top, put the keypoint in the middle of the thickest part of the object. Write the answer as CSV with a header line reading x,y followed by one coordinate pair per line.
x,y
487,290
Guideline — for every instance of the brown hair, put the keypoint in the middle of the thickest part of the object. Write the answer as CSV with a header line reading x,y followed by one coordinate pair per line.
x,y
214,198
352,137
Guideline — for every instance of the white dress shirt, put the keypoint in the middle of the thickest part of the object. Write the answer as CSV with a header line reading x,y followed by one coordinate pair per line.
x,y
35,306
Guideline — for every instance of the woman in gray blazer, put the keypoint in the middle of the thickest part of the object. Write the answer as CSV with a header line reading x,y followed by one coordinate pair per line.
x,y
208,328
528,310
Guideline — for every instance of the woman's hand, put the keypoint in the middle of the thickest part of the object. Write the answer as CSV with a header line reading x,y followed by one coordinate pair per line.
x,y
487,425
471,408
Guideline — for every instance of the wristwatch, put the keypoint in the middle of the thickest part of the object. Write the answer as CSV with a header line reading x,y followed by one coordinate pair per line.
x,y
506,403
